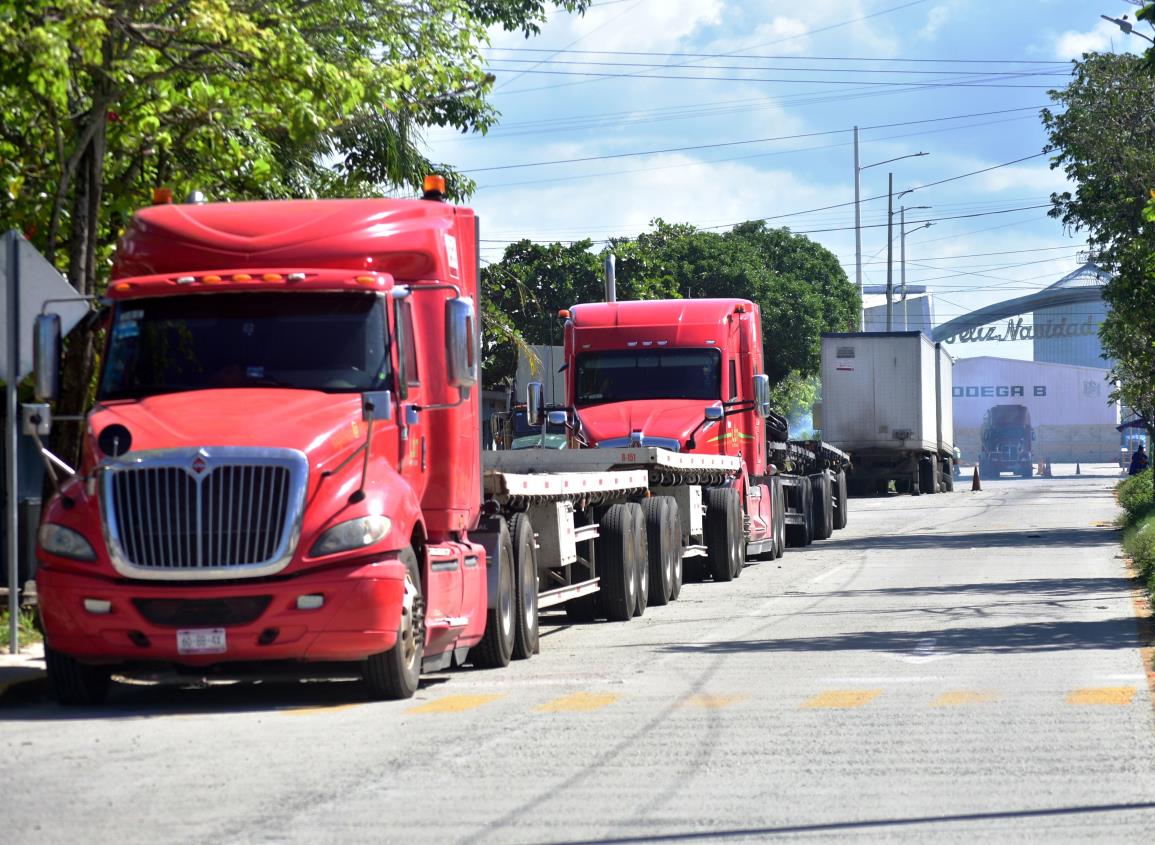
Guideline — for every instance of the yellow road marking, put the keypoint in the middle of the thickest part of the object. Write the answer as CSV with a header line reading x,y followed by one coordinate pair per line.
x,y
454,703
958,698
1102,695
331,708
579,702
842,699
713,702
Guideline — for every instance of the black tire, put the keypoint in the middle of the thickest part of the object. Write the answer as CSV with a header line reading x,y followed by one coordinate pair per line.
x,y
927,477
525,640
823,505
583,609
796,533
74,683
725,533
496,647
394,674
664,541
808,509
617,563
840,500
779,514
641,555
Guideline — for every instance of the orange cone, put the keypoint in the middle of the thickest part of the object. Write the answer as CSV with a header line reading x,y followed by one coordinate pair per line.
x,y
975,485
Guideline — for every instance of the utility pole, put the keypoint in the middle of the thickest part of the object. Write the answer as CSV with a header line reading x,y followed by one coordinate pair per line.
x,y
858,236
889,248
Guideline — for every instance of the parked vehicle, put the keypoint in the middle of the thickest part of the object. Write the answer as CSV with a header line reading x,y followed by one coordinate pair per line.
x,y
677,388
886,399
282,470
1006,442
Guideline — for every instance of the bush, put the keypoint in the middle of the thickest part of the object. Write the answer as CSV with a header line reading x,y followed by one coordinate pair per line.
x,y
1139,543
1135,496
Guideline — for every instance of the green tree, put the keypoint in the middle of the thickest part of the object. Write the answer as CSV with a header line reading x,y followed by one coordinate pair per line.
x,y
1104,140
104,100
799,286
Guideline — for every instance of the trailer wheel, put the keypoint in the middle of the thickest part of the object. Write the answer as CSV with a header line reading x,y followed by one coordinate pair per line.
x,y
927,477
525,642
74,683
582,609
496,647
664,538
641,555
822,505
725,533
778,514
808,509
394,674
618,562
840,500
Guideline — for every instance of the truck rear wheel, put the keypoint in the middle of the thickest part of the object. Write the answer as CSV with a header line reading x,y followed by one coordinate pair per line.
x,y
525,641
927,477
496,647
394,674
725,533
778,514
808,509
823,505
618,562
641,555
840,500
664,538
74,683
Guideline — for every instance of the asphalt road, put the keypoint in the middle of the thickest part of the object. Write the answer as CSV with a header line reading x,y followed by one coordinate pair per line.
x,y
956,667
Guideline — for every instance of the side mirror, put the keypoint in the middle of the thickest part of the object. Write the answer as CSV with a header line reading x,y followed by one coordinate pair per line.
x,y
46,356
377,405
461,343
556,418
535,402
714,413
762,394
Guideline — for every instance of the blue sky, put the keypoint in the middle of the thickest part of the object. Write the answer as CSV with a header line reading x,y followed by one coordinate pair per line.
x,y
716,111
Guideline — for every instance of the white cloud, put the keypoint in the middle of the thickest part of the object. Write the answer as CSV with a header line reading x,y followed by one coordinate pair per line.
x,y
935,19
1105,37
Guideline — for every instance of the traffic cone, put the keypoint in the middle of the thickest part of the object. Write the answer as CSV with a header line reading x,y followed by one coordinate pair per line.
x,y
975,485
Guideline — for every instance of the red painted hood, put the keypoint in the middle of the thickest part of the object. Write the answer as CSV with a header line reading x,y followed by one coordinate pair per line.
x,y
322,425
672,418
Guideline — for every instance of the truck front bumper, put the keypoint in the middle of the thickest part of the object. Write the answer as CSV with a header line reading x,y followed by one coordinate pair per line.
x,y
101,620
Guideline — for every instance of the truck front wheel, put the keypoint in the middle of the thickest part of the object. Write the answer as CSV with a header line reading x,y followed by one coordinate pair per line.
x,y
525,641
394,674
725,533
75,683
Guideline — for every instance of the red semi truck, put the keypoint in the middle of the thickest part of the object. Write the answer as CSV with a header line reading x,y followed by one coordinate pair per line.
x,y
282,469
678,388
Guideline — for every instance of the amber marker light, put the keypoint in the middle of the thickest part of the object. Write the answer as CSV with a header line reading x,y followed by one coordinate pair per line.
x,y
212,280
122,286
242,277
366,280
272,277
563,314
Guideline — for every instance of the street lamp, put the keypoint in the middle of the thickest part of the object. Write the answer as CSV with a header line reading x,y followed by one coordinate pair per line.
x,y
1127,27
902,252
858,220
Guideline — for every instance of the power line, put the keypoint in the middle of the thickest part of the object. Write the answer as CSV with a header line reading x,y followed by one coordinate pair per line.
x,y
1066,72
721,144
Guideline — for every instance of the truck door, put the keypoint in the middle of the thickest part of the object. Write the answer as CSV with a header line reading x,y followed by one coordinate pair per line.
x,y
443,581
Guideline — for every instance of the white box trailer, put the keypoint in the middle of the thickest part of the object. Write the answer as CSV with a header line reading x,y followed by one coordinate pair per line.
x,y
886,399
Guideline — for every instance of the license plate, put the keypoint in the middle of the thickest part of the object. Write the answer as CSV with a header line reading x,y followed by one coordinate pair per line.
x,y
201,641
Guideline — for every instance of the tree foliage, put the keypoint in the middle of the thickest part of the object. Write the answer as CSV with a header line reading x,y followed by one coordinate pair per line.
x,y
800,287
1104,140
104,100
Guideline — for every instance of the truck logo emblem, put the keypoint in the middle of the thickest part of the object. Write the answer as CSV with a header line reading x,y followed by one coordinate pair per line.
x,y
199,463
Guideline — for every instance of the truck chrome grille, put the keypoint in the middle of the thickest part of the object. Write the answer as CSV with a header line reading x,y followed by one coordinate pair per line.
x,y
223,512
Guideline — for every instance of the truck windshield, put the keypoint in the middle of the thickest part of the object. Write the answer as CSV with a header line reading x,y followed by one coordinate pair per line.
x,y
336,342
648,374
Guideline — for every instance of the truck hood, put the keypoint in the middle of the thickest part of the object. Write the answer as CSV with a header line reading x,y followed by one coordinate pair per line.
x,y
670,419
322,425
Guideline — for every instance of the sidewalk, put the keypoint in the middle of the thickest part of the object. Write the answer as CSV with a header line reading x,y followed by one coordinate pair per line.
x,y
19,669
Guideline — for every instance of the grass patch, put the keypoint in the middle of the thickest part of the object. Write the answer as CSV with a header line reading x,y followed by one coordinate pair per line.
x,y
27,631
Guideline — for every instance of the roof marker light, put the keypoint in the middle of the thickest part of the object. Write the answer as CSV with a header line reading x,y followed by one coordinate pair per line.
x,y
366,280
185,280
272,277
647,343
212,280
631,343
242,277
122,286
586,345
296,277
663,342
711,342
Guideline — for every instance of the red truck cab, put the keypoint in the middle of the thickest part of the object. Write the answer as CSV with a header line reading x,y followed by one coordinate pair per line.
x,y
683,374
282,466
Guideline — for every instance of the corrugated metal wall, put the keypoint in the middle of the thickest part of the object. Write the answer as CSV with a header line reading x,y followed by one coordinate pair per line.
x,y
1074,334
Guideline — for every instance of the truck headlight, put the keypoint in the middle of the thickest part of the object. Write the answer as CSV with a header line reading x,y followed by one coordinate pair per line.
x,y
58,540
353,534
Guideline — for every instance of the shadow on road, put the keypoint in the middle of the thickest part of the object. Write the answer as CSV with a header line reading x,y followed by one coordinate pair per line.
x,y
1018,638
1038,589
995,539
865,824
